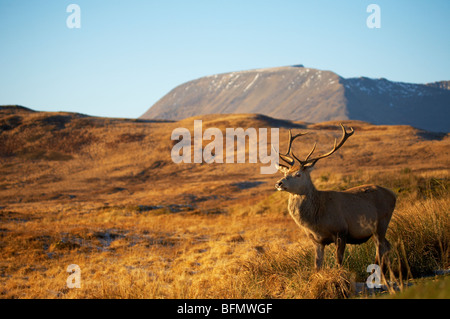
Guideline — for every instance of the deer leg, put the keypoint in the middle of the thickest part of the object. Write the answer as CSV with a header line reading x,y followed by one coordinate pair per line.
x,y
340,249
382,244
319,255
378,250
384,247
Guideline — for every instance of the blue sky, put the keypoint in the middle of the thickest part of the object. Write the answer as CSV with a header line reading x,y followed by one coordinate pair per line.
x,y
128,54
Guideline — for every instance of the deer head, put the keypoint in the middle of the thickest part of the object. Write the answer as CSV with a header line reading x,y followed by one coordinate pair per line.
x,y
296,173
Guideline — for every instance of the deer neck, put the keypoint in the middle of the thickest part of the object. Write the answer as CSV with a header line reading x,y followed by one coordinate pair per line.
x,y
304,208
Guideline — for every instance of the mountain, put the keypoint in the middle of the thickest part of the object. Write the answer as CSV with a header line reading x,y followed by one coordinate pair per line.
x,y
305,94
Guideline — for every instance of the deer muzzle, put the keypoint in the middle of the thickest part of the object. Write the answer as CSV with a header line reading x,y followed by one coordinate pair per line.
x,y
279,185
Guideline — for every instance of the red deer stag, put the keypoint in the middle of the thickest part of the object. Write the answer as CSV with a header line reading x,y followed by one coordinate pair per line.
x,y
348,217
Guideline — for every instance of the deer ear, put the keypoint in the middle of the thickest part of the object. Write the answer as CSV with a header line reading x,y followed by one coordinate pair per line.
x,y
310,166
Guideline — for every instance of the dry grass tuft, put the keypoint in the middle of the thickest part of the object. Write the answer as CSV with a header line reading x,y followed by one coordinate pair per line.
x,y
330,284
288,273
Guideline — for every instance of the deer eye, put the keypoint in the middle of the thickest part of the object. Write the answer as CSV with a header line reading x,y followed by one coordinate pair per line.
x,y
298,174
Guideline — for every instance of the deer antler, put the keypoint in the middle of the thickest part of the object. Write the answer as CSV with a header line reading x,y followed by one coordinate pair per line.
x,y
287,157
311,161
290,156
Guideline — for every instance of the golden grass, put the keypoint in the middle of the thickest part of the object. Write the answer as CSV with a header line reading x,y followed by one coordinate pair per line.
x,y
253,251
140,226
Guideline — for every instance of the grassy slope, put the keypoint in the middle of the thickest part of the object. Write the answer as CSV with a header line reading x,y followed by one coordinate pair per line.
x,y
104,194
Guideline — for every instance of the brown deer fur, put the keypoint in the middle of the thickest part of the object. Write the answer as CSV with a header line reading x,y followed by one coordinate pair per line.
x,y
349,217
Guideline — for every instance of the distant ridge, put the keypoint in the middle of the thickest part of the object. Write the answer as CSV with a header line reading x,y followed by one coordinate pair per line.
x,y
15,107
305,94
440,85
